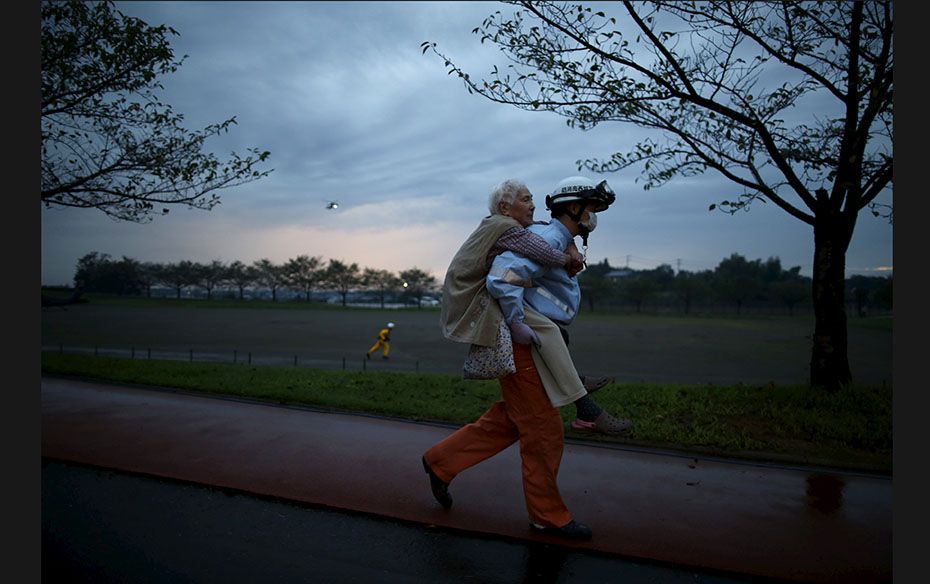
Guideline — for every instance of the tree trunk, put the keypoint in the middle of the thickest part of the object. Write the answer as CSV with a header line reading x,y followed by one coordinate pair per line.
x,y
829,356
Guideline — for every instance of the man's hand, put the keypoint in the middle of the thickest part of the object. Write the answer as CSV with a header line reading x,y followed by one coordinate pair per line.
x,y
573,266
575,261
523,334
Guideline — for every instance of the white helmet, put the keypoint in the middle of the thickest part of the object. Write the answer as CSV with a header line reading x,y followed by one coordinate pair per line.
x,y
579,188
390,325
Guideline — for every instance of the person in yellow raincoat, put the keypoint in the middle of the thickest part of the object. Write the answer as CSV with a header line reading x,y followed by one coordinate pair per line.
x,y
383,342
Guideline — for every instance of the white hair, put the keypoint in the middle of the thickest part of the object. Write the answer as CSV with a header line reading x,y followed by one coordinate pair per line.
x,y
505,192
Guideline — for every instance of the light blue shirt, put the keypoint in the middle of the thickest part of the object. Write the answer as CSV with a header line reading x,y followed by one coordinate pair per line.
x,y
514,279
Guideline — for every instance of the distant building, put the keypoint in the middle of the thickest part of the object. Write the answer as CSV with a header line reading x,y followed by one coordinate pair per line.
x,y
618,274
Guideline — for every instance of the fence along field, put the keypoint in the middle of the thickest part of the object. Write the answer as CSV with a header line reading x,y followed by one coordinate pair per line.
x,y
642,348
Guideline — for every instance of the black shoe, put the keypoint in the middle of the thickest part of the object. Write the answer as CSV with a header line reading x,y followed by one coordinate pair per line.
x,y
571,530
440,489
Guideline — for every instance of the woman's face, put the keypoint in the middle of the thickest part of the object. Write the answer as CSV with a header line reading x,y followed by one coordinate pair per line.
x,y
521,208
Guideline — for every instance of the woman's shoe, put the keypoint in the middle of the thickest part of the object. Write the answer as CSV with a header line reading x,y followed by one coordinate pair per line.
x,y
582,426
592,384
604,424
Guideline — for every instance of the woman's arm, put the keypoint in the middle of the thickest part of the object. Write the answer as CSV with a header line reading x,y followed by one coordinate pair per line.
x,y
533,246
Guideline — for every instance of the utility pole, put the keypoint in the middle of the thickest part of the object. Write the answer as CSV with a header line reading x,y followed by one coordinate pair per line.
x,y
627,260
678,263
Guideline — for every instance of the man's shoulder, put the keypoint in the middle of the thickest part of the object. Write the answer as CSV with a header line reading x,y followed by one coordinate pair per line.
x,y
549,231
539,227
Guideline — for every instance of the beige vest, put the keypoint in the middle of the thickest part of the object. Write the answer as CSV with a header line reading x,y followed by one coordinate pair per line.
x,y
468,313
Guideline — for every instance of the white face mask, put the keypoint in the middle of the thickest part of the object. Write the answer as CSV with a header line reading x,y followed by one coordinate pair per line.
x,y
590,223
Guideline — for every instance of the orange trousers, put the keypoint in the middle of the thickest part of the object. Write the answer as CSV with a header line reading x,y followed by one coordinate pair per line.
x,y
524,413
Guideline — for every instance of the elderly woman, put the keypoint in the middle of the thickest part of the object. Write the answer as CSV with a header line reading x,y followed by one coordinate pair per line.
x,y
469,315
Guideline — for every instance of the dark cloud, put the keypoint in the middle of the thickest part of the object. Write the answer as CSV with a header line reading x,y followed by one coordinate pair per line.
x,y
352,111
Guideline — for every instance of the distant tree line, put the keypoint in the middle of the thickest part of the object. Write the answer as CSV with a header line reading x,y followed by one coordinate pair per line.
x,y
735,285
302,275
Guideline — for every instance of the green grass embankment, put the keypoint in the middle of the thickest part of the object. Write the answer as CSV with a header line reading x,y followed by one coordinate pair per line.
x,y
793,425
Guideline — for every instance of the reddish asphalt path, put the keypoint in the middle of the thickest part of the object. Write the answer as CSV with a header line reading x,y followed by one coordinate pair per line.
x,y
811,525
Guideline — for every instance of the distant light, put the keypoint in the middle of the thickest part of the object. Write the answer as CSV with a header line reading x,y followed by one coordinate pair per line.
x,y
405,284
332,205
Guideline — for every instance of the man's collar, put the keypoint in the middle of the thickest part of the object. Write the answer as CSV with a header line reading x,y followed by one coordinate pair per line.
x,y
557,224
561,226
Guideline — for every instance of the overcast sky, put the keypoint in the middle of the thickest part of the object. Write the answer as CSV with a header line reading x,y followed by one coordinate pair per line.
x,y
353,112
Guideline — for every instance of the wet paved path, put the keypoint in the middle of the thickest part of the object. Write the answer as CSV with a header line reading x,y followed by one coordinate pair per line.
x,y
108,526
806,525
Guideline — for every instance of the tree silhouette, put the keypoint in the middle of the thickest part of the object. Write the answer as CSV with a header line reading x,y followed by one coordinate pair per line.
x,y
638,289
342,276
108,143
241,276
209,276
791,291
417,282
380,280
96,272
303,272
738,280
179,275
716,83
690,287
269,274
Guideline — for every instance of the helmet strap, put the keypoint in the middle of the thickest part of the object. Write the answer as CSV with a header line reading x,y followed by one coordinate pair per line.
x,y
576,216
582,230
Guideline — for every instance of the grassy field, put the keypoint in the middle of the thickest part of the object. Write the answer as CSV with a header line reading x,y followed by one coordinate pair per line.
x,y
788,424
634,348
715,385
